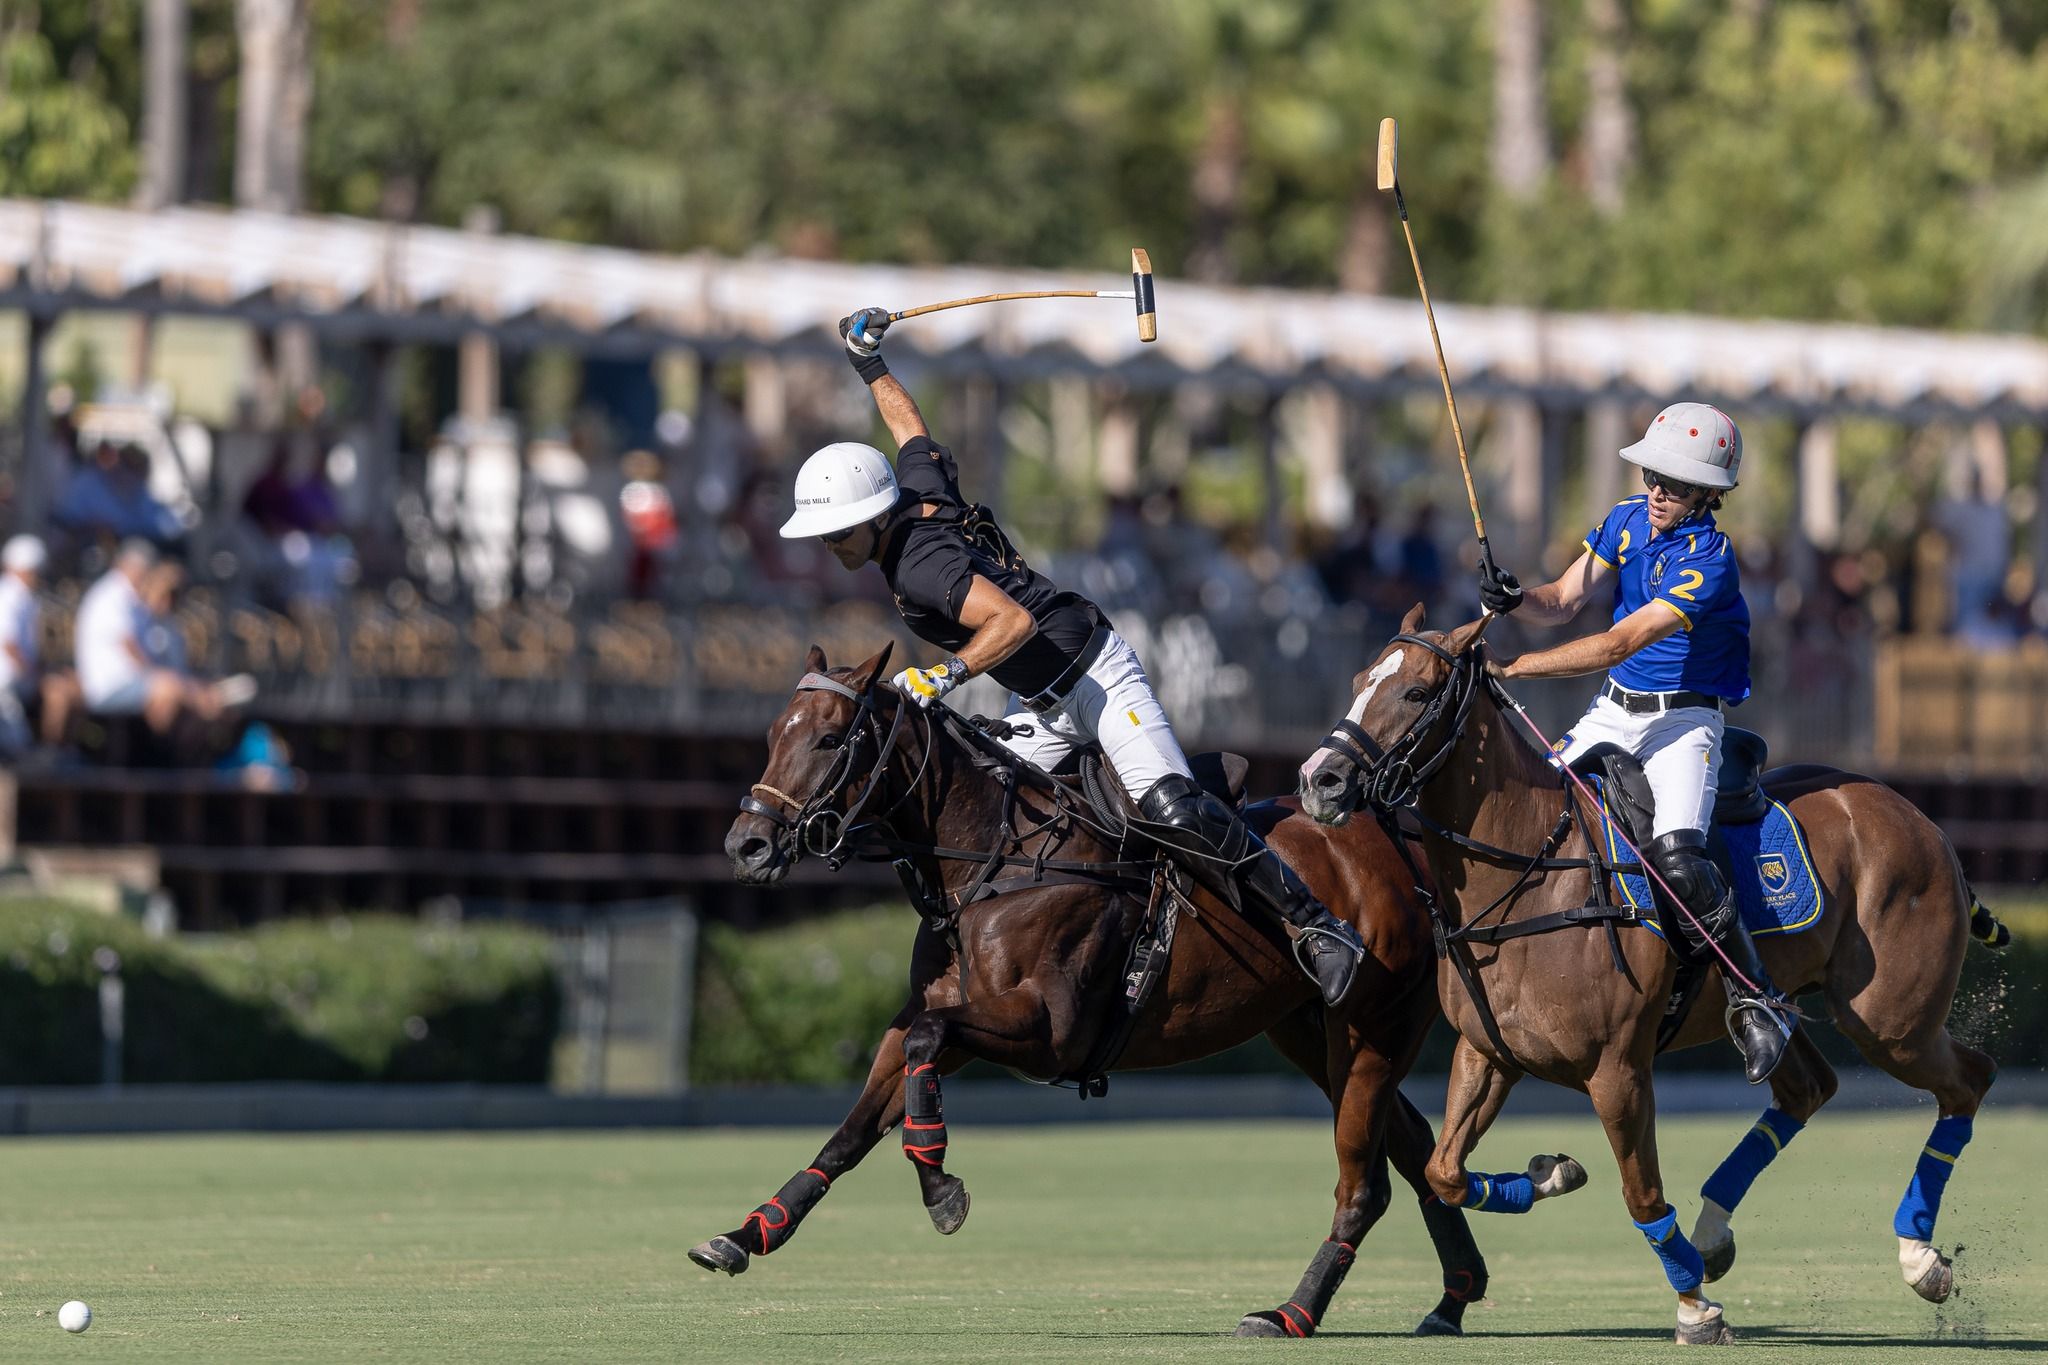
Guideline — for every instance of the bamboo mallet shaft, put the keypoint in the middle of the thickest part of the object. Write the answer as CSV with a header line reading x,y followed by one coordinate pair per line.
x,y
1390,181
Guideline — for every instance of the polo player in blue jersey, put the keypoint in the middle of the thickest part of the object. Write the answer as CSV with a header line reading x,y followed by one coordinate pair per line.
x,y
1676,653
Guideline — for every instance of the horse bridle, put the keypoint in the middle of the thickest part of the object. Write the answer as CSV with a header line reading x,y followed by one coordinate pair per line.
x,y
816,826
1389,776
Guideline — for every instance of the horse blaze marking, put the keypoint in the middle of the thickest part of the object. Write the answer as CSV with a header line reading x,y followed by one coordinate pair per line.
x,y
1381,671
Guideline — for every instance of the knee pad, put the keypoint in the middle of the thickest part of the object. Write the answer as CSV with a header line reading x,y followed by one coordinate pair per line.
x,y
1680,857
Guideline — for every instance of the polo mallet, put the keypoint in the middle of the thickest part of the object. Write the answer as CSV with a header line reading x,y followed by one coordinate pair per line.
x,y
1140,292
1390,180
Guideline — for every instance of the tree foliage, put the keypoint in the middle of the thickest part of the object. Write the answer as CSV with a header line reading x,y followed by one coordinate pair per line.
x,y
1865,160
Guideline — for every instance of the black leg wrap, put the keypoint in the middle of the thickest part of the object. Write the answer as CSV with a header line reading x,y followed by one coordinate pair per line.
x,y
769,1226
1464,1268
924,1120
1320,1281
1300,1315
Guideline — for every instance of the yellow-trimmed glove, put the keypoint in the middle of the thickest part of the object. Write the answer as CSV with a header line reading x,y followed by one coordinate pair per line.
x,y
926,685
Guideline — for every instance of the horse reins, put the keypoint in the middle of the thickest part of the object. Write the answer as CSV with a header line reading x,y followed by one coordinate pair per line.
x,y
1393,782
816,827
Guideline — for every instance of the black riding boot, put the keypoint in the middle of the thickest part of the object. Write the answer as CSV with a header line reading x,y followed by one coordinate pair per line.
x,y
1759,1018
1182,814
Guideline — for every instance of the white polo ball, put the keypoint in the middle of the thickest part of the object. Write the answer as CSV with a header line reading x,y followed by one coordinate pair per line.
x,y
74,1317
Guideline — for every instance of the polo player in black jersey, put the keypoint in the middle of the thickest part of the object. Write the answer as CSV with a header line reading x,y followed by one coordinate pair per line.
x,y
1055,651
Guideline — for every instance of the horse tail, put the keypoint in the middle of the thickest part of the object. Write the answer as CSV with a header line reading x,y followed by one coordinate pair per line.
x,y
1986,927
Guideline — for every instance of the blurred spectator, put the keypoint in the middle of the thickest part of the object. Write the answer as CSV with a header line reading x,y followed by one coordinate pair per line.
x,y
651,533
1353,570
118,629
109,496
1979,547
299,519
1422,559
25,687
1117,574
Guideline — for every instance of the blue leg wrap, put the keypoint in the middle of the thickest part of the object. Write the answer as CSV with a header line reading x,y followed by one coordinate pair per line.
x,y
1682,1264
1759,1146
1499,1193
1917,1210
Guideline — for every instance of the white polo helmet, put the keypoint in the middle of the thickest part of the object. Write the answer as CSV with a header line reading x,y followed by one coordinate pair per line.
x,y
1693,443
841,486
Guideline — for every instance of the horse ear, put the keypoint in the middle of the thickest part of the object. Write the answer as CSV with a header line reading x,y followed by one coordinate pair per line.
x,y
1467,635
815,661
1412,622
865,675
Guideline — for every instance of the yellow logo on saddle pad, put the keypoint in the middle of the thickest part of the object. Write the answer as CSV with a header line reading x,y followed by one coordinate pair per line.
x,y
1774,872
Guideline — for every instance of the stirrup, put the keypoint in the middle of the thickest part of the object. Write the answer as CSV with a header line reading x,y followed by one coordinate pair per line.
x,y
1351,944
1780,1011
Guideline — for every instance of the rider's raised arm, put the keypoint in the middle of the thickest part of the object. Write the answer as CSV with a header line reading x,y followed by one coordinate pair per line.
x,y
898,409
1553,604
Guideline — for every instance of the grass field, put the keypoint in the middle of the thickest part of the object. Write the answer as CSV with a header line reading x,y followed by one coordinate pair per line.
x,y
1120,1243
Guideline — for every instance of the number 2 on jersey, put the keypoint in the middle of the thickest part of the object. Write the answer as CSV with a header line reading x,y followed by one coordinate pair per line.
x,y
1688,580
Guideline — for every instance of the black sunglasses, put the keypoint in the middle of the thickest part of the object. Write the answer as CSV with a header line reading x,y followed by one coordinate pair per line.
x,y
838,537
1652,479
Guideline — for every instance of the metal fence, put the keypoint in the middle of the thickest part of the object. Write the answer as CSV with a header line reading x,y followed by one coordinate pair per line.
x,y
628,972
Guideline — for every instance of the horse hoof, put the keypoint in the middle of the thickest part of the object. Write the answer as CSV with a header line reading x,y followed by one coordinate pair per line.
x,y
1437,1325
721,1253
1260,1325
949,1210
1930,1274
1709,1327
1556,1175
1719,1259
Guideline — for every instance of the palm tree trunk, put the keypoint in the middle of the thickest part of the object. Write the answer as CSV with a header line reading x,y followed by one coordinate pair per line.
x,y
1218,191
1610,143
163,104
1521,135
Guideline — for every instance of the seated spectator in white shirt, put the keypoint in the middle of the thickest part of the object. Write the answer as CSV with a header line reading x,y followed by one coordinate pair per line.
x,y
26,688
115,667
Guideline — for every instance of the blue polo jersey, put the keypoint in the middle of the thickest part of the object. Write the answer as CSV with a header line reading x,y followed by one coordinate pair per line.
x,y
1691,571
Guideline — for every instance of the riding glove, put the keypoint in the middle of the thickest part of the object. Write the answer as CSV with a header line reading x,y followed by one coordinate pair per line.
x,y
926,685
1500,592
862,333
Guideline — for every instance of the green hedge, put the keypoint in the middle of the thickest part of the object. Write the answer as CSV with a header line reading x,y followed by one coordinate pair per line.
x,y
354,999
808,1003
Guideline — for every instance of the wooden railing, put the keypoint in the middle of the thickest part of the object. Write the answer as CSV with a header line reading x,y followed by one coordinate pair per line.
x,y
1945,707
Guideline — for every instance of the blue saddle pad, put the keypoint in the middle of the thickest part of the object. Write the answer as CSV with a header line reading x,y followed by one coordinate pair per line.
x,y
1775,888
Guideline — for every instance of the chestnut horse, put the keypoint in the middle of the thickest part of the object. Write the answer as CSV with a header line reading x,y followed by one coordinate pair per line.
x,y
1030,908
1434,732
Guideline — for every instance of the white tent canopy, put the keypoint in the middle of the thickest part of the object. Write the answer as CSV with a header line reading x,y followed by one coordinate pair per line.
x,y
364,278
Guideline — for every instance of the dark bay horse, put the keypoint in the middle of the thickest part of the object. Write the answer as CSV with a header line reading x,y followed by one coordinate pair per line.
x,y
1030,973
1433,731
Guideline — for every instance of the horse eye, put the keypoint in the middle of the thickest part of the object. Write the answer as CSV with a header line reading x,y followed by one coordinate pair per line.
x,y
1418,694
829,742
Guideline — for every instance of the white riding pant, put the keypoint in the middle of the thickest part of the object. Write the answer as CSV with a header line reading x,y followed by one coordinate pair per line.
x,y
1111,708
1680,751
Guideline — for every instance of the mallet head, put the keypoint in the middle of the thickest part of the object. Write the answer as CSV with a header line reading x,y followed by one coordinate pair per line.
x,y
1390,155
1141,291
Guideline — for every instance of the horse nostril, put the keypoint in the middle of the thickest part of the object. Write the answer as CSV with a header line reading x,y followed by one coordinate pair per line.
x,y
752,849
1328,782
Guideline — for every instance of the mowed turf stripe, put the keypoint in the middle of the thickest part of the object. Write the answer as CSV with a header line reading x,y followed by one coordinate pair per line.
x,y
1140,1242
